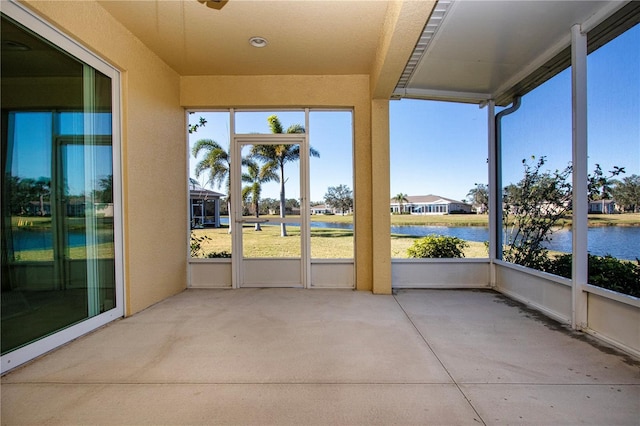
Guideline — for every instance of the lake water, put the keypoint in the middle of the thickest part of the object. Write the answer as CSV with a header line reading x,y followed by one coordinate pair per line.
x,y
43,240
622,242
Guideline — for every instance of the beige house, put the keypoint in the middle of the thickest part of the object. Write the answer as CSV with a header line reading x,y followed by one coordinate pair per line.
x,y
322,209
118,78
430,204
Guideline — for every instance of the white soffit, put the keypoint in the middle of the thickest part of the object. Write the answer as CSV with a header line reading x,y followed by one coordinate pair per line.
x,y
479,49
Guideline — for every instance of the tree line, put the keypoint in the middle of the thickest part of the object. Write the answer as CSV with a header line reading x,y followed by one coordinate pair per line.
x,y
625,192
28,196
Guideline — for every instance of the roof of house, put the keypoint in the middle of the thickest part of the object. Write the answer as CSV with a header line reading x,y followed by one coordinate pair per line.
x,y
197,191
427,199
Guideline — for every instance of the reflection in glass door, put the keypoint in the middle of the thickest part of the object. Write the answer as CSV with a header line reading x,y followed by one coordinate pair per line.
x,y
271,236
59,220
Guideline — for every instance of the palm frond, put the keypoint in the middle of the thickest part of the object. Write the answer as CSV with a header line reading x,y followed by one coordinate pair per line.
x,y
204,144
274,124
296,128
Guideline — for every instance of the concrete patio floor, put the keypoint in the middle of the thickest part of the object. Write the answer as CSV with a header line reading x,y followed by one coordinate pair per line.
x,y
330,357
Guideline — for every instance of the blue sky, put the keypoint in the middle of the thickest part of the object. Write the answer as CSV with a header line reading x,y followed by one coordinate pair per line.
x,y
32,148
437,148
329,133
542,126
441,148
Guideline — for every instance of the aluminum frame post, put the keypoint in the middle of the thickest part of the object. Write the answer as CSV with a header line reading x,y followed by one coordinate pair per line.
x,y
579,272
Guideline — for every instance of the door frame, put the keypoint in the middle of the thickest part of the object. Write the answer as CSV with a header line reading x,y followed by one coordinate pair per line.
x,y
239,263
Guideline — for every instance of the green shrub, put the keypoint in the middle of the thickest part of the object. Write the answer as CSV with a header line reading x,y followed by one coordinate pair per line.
x,y
196,244
219,255
438,246
606,272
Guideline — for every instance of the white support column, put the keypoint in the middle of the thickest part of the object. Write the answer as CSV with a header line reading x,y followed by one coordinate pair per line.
x,y
305,188
494,204
234,228
580,190
90,167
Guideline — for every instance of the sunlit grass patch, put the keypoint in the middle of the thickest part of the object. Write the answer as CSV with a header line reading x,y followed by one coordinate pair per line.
x,y
326,243
104,251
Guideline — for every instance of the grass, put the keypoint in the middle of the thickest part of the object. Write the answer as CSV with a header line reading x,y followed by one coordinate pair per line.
x,y
105,251
625,219
44,222
326,243
407,219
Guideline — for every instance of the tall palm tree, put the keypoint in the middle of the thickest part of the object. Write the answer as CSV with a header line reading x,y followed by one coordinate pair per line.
x,y
255,177
276,156
217,162
401,198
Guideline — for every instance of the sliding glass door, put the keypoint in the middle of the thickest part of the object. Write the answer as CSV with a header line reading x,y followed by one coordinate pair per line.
x,y
59,210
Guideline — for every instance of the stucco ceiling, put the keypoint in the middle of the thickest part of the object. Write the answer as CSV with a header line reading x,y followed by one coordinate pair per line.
x,y
477,49
304,36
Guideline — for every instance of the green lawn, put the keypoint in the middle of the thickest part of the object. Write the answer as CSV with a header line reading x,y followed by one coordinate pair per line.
x,y
325,243
626,219
105,251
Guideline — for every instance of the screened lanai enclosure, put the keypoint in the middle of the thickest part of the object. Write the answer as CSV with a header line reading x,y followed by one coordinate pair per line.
x,y
114,113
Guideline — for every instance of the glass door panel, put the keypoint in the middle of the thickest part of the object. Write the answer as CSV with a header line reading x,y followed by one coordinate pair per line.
x,y
58,250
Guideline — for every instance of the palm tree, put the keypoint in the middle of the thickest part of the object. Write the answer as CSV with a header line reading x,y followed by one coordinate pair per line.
x,y
401,198
217,162
276,156
256,176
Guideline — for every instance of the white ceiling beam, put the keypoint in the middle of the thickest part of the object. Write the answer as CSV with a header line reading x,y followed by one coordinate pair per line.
x,y
442,95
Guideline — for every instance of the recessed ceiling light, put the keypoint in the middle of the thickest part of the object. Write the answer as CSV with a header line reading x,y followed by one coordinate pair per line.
x,y
258,41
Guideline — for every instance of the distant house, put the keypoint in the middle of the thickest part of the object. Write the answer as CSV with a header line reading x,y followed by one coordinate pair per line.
x,y
430,204
602,206
321,209
204,206
39,208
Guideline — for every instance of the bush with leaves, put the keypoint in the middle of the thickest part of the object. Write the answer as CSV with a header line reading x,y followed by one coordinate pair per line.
x,y
219,255
439,246
196,244
604,271
531,208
